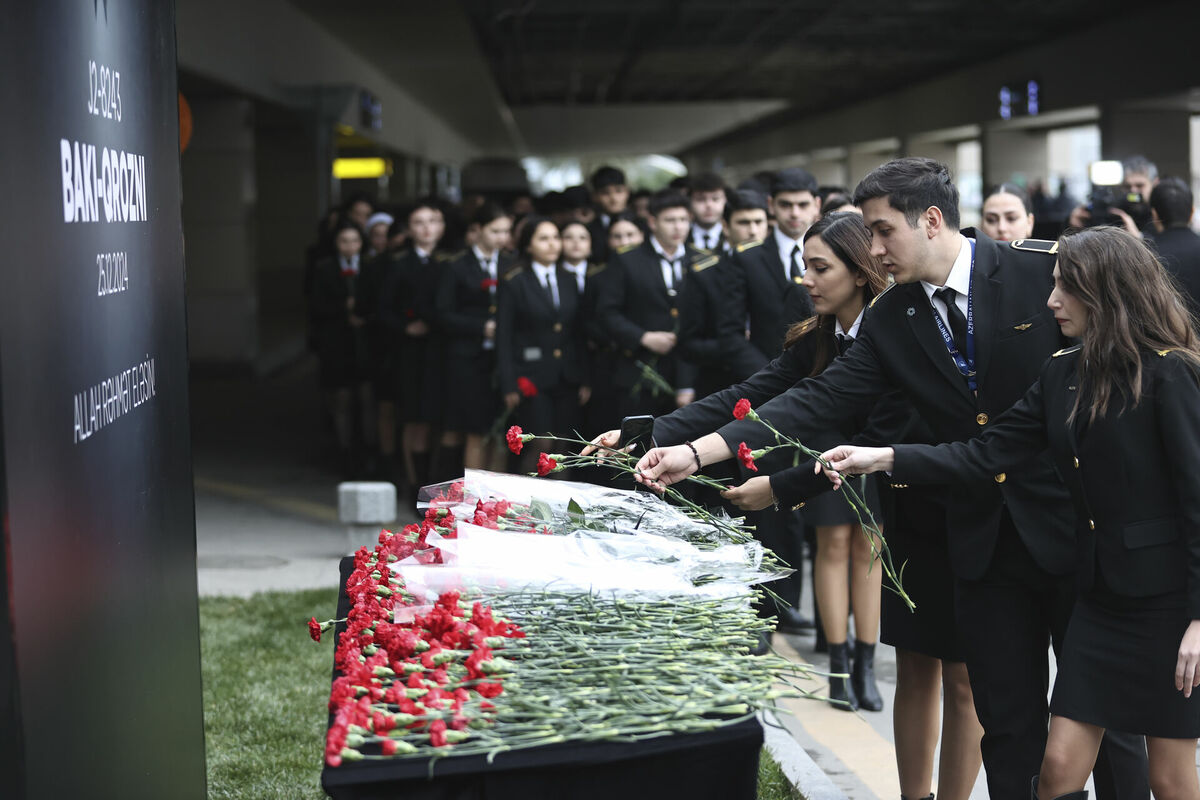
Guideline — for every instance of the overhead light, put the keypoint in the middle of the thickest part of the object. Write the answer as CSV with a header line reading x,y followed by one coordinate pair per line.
x,y
350,168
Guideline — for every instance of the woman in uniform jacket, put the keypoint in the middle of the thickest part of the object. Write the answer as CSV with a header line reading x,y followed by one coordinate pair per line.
x,y
1120,414
539,342
339,334
465,311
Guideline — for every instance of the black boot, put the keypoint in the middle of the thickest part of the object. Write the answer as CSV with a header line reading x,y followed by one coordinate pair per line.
x,y
863,677
841,692
1033,792
420,462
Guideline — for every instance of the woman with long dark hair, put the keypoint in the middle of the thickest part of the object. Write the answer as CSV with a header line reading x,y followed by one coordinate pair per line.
x,y
841,277
1120,414
539,347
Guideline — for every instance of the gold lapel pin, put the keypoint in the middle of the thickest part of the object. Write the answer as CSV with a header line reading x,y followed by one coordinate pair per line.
x,y
1022,326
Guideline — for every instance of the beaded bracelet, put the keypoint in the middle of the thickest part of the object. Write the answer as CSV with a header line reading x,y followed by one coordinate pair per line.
x,y
695,454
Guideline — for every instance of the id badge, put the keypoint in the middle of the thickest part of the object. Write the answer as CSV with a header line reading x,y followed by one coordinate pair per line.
x,y
533,354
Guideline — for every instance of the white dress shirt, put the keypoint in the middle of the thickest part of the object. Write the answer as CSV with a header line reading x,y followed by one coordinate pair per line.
x,y
672,265
580,272
545,276
959,280
853,332
786,245
706,238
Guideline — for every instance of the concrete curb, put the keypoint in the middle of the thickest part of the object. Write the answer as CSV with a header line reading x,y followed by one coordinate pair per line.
x,y
801,770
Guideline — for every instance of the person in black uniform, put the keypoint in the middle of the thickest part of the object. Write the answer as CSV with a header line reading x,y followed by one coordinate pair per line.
x,y
407,314
766,288
341,341
1177,245
638,307
611,195
466,314
1119,411
841,277
1011,542
538,338
708,197
719,362
929,662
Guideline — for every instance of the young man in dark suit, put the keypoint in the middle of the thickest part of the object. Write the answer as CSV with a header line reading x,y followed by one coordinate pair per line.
x,y
708,196
1177,245
639,308
722,354
611,195
766,287
963,335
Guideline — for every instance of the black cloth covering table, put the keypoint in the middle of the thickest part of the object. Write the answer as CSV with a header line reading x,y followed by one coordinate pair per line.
x,y
722,763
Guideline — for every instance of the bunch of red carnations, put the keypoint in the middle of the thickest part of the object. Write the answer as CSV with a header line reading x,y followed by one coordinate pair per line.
x,y
407,673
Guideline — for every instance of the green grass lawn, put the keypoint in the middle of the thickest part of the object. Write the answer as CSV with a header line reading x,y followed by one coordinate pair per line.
x,y
265,689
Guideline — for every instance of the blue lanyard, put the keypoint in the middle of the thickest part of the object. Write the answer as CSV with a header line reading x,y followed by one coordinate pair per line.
x,y
965,365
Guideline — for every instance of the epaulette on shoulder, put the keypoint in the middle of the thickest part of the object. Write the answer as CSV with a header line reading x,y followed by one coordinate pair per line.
x,y
596,269
703,263
1069,350
744,246
514,272
443,256
1047,246
875,299
622,250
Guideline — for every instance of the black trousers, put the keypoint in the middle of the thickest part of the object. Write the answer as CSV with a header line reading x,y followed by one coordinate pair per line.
x,y
1005,622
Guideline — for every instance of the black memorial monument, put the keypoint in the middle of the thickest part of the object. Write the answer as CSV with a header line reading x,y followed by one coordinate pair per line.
x,y
99,644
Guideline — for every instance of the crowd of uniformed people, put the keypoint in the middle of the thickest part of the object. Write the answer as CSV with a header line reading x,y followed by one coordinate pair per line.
x,y
862,317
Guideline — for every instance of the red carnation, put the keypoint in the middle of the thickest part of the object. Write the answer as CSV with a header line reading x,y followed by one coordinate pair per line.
x,y
314,629
487,283
527,387
741,409
746,456
515,439
546,465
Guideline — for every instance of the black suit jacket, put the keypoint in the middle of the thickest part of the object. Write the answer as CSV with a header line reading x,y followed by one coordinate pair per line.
x,y
533,338
760,292
720,362
1132,474
899,347
633,299
464,303
1179,250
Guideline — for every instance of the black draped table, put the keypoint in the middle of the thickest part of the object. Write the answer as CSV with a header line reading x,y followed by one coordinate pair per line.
x,y
721,763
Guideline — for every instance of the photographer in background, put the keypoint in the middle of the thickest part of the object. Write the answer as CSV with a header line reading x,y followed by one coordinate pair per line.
x,y
1130,212
1177,245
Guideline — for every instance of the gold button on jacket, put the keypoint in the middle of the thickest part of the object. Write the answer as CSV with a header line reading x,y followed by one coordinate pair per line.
x,y
982,419
1001,478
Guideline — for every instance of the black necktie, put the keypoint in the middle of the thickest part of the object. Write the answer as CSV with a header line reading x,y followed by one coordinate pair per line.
x,y
958,323
551,289
795,270
843,343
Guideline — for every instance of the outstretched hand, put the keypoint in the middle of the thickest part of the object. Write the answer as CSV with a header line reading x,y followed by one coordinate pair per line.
x,y
664,466
753,495
847,459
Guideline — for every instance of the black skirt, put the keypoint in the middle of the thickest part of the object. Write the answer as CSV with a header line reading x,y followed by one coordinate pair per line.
x,y
1118,667
554,410
916,535
831,508
472,398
